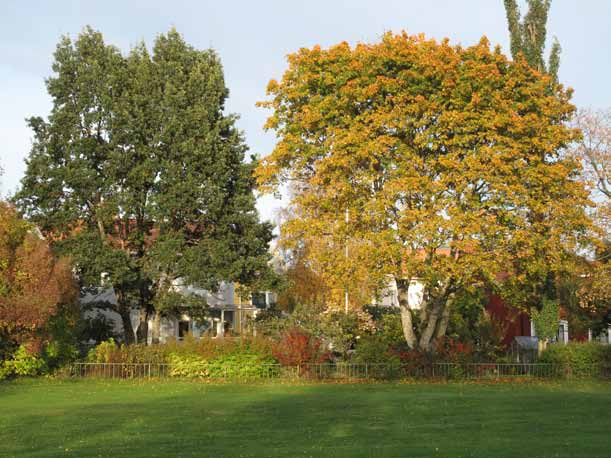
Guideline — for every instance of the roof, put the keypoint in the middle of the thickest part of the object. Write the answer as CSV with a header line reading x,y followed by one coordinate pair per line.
x,y
527,342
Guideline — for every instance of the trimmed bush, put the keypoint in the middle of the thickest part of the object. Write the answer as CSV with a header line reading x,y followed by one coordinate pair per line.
x,y
578,359
234,366
206,358
188,366
205,349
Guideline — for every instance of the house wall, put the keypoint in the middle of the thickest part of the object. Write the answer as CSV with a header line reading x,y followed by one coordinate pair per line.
x,y
389,296
225,295
515,323
225,303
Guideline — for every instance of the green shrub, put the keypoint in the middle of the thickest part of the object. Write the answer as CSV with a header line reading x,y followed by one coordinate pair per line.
x,y
205,358
4,372
546,319
59,353
97,328
105,352
62,332
233,366
390,329
578,359
23,363
188,366
207,349
375,350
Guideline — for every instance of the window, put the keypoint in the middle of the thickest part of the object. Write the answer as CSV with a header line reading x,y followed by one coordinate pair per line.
x,y
258,300
183,329
563,331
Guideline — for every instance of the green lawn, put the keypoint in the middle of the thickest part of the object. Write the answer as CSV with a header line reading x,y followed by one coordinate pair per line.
x,y
48,418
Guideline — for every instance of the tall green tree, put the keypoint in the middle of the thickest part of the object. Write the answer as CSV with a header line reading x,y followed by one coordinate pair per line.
x,y
141,177
446,160
527,35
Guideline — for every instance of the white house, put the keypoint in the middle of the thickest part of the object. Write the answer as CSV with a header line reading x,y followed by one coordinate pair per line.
x,y
389,297
228,312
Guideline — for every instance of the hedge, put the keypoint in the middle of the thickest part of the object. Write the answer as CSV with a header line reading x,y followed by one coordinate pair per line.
x,y
578,359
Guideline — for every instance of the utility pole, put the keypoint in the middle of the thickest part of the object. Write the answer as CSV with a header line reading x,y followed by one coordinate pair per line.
x,y
346,254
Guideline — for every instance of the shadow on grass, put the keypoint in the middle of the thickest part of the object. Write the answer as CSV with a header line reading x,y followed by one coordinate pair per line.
x,y
176,419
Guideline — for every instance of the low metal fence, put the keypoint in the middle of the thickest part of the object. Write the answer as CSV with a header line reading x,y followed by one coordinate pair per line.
x,y
119,370
339,371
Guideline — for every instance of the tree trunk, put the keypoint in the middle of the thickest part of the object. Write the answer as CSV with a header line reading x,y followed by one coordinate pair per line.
x,y
156,331
443,322
124,309
128,330
406,313
143,327
429,329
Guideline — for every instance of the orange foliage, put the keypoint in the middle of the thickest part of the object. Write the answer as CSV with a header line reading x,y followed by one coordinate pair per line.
x,y
408,149
33,283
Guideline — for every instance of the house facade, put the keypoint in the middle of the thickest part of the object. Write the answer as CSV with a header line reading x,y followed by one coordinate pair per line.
x,y
228,312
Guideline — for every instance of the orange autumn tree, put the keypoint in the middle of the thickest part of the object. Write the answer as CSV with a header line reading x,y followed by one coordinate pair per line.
x,y
33,283
309,262
445,161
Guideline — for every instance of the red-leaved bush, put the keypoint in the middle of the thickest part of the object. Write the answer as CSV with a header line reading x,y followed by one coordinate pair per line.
x,y
297,348
452,351
34,284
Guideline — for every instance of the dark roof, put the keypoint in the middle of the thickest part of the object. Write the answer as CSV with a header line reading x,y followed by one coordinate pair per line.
x,y
526,342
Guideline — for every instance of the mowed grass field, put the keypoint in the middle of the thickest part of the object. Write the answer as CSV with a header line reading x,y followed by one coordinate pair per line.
x,y
89,418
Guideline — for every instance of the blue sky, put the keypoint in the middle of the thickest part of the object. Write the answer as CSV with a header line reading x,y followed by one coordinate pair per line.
x,y
253,39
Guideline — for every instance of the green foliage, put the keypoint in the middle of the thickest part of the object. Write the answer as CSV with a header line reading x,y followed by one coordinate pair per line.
x,y
144,136
205,358
205,349
230,366
274,324
59,353
23,363
546,319
527,36
390,330
103,353
380,359
384,344
471,323
578,359
8,346
63,331
338,331
97,328
374,349
490,334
